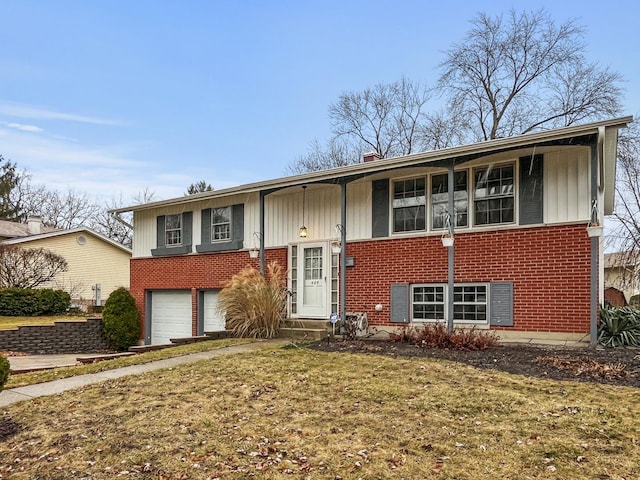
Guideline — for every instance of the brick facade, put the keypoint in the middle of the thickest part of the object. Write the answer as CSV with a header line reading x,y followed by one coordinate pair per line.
x,y
62,337
548,265
550,268
194,272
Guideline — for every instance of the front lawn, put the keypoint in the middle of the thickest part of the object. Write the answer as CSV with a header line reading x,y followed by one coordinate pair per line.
x,y
39,376
9,323
297,413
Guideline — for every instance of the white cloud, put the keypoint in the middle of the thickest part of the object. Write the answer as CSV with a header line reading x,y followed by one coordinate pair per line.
x,y
12,109
25,128
99,171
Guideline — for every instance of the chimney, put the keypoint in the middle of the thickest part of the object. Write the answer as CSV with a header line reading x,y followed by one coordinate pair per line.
x,y
34,225
371,156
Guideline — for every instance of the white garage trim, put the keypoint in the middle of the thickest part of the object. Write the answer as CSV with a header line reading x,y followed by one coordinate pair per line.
x,y
170,316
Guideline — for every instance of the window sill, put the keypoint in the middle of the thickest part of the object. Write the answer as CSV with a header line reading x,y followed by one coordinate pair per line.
x,y
220,247
180,250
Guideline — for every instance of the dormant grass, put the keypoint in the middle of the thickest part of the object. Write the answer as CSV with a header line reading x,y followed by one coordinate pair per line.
x,y
297,413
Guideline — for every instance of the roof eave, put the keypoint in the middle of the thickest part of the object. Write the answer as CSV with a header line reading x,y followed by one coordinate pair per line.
x,y
369,168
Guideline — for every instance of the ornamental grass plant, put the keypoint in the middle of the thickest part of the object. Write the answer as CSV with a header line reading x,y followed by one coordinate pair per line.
x,y
254,305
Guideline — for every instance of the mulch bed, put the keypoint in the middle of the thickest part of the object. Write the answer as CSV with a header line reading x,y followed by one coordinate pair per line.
x,y
609,366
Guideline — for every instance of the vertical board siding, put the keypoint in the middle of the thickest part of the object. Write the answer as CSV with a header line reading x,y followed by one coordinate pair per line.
x,y
566,180
359,210
284,215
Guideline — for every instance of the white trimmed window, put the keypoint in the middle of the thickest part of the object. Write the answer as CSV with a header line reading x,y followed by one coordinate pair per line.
x,y
470,303
428,302
494,195
409,205
173,230
440,199
220,224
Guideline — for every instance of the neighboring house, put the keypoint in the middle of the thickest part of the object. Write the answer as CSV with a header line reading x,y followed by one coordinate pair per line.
x,y
96,264
34,226
622,272
522,261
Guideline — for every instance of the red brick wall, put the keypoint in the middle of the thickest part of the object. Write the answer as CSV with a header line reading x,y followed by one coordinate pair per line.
x,y
550,268
201,271
548,265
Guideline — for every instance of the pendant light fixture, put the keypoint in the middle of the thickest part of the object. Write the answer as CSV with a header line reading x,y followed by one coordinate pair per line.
x,y
302,233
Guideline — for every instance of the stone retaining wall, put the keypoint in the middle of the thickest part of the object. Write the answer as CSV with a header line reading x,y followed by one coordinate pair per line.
x,y
62,337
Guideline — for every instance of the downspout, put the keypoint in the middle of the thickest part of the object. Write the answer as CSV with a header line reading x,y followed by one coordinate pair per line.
x,y
597,156
118,218
343,256
261,255
450,256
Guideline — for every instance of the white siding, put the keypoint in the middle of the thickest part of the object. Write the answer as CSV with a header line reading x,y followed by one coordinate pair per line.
x,y
566,199
283,216
145,221
566,186
359,210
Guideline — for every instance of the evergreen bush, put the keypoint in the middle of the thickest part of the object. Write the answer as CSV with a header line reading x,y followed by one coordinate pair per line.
x,y
26,302
120,320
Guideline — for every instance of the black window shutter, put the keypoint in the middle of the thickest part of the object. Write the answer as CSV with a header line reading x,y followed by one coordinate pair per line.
x,y
160,242
205,235
380,208
237,223
400,303
531,191
501,297
187,228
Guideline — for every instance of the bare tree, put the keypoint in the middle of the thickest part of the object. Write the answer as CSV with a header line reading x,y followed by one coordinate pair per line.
x,y
337,153
69,209
118,228
626,228
28,268
519,73
385,119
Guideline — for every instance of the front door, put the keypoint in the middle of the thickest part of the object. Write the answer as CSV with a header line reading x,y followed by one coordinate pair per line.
x,y
312,280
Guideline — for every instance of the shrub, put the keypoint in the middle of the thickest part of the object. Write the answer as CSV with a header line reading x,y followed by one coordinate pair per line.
x,y
18,302
435,335
53,302
120,320
254,305
4,371
619,327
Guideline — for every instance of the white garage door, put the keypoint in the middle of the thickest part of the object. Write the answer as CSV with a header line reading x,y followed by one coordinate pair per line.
x,y
170,316
213,319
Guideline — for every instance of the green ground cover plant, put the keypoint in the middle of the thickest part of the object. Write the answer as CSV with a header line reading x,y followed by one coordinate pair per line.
x,y
299,413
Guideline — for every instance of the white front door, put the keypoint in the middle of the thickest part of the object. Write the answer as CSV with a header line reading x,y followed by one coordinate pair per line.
x,y
312,280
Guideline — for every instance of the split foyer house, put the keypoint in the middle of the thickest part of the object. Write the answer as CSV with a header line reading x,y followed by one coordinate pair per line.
x,y
503,234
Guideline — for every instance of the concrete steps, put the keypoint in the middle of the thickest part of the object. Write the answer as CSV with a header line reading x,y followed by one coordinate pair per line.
x,y
305,329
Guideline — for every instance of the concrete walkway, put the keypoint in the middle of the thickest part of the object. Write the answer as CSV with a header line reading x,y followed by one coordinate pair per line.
x,y
14,395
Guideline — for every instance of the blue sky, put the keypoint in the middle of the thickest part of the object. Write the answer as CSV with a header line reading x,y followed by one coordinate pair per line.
x,y
111,97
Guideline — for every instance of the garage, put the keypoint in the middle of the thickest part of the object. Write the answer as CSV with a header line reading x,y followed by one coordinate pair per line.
x,y
213,320
170,316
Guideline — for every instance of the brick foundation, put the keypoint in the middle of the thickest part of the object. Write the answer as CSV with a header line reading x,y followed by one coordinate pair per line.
x,y
548,265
